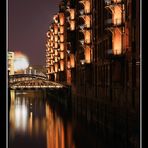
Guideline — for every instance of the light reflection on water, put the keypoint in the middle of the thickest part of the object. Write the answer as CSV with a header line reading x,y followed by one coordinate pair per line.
x,y
34,124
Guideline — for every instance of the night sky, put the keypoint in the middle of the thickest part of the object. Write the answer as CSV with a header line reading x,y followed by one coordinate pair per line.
x,y
28,22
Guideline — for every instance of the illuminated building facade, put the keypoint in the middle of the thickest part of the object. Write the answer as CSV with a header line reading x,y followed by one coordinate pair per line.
x,y
102,38
56,51
11,63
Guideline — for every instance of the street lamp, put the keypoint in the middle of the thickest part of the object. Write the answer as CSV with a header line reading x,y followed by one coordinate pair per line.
x,y
82,62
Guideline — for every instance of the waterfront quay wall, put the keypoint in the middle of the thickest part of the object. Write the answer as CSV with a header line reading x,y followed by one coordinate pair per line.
x,y
109,118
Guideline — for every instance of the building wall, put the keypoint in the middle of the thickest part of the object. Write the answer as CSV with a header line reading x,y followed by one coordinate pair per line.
x,y
105,80
107,89
11,63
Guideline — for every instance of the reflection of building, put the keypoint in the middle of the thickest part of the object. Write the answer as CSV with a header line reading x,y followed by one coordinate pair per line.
x,y
27,113
59,134
102,55
11,63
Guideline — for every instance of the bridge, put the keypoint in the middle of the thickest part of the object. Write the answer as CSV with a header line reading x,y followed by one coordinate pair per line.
x,y
32,81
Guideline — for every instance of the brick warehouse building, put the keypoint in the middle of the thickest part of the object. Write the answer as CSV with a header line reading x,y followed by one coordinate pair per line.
x,y
101,61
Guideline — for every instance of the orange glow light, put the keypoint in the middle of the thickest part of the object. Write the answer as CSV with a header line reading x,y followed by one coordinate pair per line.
x,y
62,65
55,29
116,42
117,15
72,61
72,25
56,67
62,46
56,38
87,36
61,29
87,7
87,21
72,14
61,38
61,15
62,55
87,54
56,45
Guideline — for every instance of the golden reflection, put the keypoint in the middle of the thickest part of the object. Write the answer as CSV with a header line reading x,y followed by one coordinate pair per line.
x,y
56,52
55,130
25,118
12,94
12,110
21,115
30,123
36,126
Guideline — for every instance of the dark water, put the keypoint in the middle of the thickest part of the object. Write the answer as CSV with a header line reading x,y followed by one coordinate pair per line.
x,y
36,122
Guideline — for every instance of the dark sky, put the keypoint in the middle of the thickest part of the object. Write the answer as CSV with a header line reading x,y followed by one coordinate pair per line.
x,y
28,22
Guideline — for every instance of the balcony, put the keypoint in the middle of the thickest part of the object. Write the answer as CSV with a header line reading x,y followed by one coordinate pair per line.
x,y
82,42
117,22
108,22
81,12
82,26
68,18
112,2
115,54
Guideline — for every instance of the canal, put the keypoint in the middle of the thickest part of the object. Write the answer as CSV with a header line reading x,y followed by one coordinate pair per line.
x,y
36,121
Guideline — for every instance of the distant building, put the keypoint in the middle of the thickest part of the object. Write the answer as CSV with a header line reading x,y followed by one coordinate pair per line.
x,y
11,63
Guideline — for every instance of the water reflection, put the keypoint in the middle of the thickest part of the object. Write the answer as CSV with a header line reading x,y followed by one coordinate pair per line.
x,y
27,120
36,122
33,123
57,135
